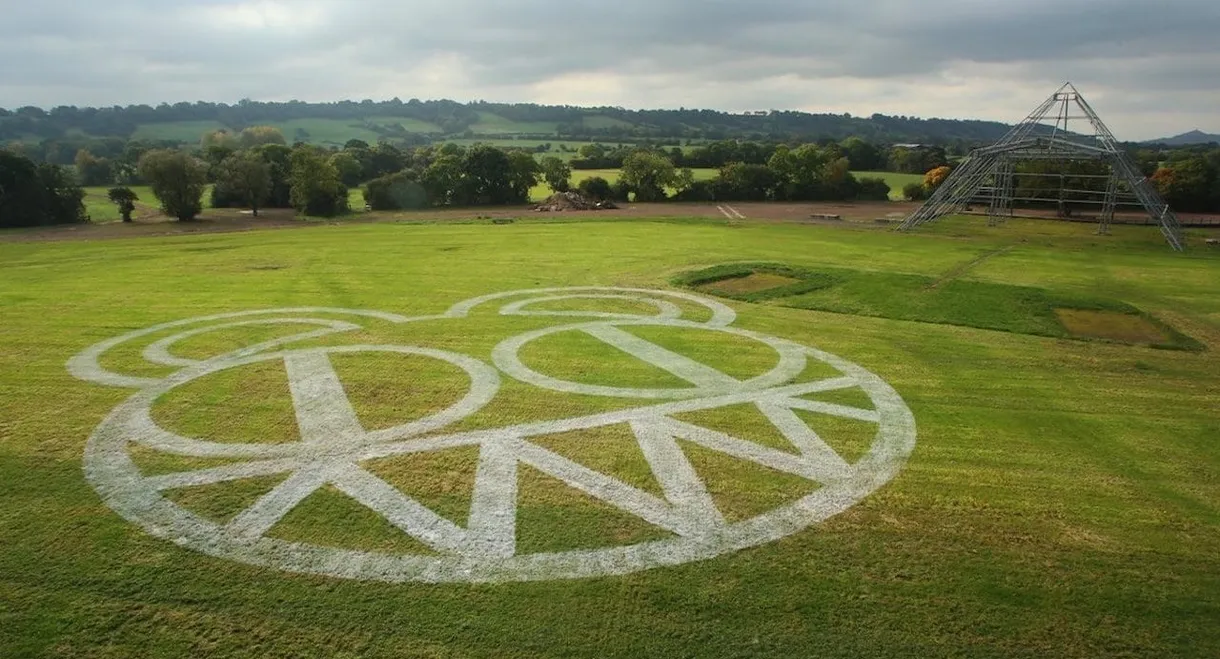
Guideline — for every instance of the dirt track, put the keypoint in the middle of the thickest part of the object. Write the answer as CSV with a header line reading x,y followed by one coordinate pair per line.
x,y
873,214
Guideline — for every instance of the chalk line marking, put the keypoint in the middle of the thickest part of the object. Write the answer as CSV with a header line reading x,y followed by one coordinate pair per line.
x,y
649,352
730,212
158,353
506,357
334,445
665,308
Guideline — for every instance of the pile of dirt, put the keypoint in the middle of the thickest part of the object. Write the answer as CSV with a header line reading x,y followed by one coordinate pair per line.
x,y
572,201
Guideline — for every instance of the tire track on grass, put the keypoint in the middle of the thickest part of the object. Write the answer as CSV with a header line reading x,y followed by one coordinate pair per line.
x,y
962,269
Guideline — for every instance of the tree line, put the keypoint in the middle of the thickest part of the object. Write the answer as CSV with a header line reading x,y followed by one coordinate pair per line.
x,y
256,168
861,154
488,175
37,194
453,119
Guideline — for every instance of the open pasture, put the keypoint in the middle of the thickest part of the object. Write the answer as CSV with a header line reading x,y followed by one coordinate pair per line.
x,y
896,180
382,439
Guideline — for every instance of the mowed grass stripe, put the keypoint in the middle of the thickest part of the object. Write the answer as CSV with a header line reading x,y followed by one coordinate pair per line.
x,y
1061,499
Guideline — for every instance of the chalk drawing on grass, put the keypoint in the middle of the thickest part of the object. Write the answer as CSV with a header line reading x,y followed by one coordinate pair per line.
x,y
333,447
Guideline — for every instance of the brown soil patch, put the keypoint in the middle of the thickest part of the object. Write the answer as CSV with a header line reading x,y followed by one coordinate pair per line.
x,y
1127,328
751,283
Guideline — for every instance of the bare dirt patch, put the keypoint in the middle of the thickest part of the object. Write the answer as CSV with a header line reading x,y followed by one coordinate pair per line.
x,y
1127,328
751,283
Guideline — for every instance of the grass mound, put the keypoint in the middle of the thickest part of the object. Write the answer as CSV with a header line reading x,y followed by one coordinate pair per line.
x,y
984,305
1126,328
727,281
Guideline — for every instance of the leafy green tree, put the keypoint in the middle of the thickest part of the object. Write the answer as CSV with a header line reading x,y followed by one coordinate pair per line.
x,y
620,191
215,154
316,188
916,159
351,172
863,156
914,192
442,179
260,135
837,180
177,180
557,174
247,177
741,182
596,188
1189,184
91,170
279,160
125,198
219,138
802,173
697,191
524,172
63,197
384,159
37,195
401,190
873,189
684,180
647,174
487,178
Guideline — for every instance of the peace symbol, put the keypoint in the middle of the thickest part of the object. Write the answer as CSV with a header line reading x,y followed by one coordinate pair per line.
x,y
333,446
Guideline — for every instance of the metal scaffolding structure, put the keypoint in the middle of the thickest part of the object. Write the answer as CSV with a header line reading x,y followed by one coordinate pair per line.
x,y
989,176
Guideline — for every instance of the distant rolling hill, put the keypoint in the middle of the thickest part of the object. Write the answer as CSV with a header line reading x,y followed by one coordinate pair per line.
x,y
417,121
1186,139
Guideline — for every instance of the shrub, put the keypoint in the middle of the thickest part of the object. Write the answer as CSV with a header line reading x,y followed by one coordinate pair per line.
x,y
914,192
596,187
873,189
397,191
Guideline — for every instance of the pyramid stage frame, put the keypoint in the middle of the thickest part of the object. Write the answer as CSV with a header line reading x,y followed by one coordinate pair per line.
x,y
992,175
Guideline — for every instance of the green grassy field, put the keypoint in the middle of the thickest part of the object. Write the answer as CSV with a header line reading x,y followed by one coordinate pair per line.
x,y
408,124
99,207
493,124
188,132
896,181
327,132
1061,498
541,191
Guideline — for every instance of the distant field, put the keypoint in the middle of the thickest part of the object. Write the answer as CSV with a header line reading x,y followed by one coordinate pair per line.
x,y
524,143
541,191
408,124
99,207
181,131
327,132
355,199
336,132
493,124
895,180
601,121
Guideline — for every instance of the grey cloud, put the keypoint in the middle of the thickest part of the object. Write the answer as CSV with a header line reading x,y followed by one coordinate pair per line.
x,y
765,53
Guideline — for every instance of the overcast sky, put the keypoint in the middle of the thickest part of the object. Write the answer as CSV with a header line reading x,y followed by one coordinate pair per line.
x,y
1150,67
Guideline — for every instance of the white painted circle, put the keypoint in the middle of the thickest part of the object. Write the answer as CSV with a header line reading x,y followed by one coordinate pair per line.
x,y
135,415
665,309
482,552
506,357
